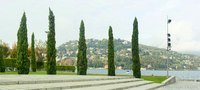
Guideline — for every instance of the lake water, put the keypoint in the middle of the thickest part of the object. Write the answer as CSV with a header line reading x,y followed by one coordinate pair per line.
x,y
178,74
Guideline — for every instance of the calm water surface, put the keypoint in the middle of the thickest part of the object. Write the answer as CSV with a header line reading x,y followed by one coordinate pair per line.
x,y
178,74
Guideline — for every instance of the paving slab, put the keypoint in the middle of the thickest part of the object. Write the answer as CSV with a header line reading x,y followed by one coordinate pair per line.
x,y
66,85
34,79
151,86
114,86
72,82
182,85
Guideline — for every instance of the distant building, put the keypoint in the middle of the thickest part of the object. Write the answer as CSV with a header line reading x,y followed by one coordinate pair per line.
x,y
66,62
106,66
120,67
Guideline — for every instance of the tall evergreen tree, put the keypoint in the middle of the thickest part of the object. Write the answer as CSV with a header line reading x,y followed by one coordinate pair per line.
x,y
23,63
81,57
2,65
111,63
33,61
51,43
135,51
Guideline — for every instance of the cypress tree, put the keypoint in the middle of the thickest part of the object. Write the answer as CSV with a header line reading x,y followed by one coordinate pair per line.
x,y
23,63
51,43
111,63
135,51
33,62
81,57
2,65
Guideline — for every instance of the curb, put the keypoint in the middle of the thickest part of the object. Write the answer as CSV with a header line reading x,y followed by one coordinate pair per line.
x,y
170,80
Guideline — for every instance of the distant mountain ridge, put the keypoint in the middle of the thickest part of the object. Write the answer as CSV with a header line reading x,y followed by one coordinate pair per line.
x,y
192,52
150,57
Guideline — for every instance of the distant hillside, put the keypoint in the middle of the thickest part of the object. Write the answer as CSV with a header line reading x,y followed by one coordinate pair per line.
x,y
151,57
192,52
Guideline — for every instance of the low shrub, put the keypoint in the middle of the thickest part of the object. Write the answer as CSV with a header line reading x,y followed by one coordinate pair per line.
x,y
10,62
66,68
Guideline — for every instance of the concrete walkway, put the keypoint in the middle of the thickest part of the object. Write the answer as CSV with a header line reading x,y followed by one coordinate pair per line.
x,y
182,85
73,82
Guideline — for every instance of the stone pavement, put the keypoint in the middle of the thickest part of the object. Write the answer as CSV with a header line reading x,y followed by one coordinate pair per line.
x,y
73,82
182,85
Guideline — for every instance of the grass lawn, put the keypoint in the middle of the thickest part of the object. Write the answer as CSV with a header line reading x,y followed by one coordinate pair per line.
x,y
156,79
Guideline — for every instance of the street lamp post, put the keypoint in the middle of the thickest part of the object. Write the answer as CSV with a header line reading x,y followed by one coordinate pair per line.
x,y
168,45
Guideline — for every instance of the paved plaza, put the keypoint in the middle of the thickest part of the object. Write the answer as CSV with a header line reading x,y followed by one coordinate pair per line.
x,y
182,85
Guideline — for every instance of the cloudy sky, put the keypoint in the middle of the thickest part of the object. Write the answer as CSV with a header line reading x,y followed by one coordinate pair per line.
x,y
98,15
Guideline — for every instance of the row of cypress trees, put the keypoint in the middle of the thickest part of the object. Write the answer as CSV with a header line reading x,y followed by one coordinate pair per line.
x,y
135,52
82,59
23,62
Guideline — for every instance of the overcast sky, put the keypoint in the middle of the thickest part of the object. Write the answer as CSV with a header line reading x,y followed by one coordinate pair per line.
x,y
98,15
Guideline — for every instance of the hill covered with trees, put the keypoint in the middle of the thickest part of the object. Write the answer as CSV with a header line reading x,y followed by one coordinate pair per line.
x,y
150,57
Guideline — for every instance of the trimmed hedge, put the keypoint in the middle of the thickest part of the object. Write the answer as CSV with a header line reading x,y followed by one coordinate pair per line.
x,y
10,62
66,68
